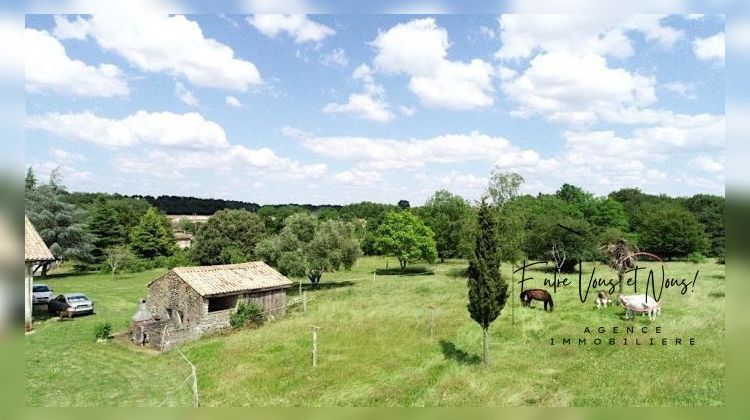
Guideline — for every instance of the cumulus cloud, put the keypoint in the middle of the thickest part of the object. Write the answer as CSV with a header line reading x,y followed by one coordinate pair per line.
x,y
369,105
233,102
419,49
384,153
297,26
166,44
711,48
577,89
48,68
523,35
167,129
358,177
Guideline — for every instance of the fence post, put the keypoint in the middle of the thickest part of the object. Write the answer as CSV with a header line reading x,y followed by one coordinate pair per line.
x,y
300,286
373,276
314,345
304,301
512,295
432,318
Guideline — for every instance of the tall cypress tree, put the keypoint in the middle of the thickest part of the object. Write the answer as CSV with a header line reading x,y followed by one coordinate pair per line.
x,y
487,290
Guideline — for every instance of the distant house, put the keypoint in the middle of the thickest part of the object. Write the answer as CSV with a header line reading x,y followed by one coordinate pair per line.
x,y
188,302
36,253
183,240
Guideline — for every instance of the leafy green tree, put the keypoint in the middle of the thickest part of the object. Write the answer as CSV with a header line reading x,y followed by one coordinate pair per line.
x,y
404,236
309,247
449,216
404,204
187,225
606,213
709,210
503,186
60,224
672,232
487,290
152,237
229,236
574,196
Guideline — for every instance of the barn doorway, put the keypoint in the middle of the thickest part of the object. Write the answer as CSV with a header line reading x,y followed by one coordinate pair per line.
x,y
221,303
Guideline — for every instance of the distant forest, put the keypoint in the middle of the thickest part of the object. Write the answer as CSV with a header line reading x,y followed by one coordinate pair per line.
x,y
172,204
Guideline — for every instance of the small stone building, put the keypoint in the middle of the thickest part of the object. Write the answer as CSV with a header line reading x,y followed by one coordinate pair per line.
x,y
188,302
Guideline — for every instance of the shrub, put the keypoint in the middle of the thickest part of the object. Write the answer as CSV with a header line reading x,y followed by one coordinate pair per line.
x,y
696,258
247,314
103,330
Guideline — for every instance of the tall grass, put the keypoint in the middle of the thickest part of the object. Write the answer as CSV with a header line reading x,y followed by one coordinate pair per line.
x,y
375,348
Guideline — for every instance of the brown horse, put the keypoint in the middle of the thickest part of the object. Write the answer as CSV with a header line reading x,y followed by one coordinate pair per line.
x,y
537,294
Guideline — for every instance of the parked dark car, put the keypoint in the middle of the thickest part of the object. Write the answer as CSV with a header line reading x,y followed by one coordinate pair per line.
x,y
70,305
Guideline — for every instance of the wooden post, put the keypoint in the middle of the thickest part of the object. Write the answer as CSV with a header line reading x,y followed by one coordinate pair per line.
x,y
373,277
300,287
512,295
314,345
27,297
304,301
432,318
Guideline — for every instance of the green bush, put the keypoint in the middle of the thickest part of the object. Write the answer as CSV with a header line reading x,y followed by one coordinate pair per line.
x,y
696,258
103,330
247,314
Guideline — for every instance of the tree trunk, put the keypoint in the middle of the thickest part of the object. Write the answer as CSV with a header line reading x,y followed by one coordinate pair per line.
x,y
621,278
402,263
486,347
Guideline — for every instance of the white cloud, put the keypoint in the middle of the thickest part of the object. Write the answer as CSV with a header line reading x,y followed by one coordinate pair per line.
x,y
358,177
62,155
48,68
297,26
522,35
714,165
185,95
694,16
171,44
369,105
711,48
362,105
577,89
380,154
190,131
70,29
685,90
336,57
406,110
419,48
233,102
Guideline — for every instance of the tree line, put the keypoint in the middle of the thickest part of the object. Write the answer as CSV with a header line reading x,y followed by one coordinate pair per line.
x,y
114,232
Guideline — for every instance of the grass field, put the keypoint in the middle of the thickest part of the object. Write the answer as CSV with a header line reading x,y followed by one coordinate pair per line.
x,y
375,348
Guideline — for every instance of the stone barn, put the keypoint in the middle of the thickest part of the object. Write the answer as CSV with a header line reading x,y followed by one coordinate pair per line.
x,y
188,302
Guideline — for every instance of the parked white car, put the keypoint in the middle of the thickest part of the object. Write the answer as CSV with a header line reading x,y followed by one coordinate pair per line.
x,y
41,294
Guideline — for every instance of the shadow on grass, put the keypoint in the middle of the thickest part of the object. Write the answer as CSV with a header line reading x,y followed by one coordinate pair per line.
x,y
408,271
53,276
458,272
451,352
320,286
717,294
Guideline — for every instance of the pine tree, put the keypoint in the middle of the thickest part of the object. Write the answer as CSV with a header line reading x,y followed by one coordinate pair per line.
x,y
30,181
153,236
487,290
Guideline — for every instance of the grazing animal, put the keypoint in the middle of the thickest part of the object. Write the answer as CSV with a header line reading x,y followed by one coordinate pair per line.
x,y
602,299
537,294
640,304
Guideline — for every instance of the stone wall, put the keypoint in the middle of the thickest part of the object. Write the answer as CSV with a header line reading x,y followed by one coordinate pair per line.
x,y
170,292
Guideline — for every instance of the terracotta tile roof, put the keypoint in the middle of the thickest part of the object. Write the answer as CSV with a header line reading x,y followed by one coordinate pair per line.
x,y
222,279
34,247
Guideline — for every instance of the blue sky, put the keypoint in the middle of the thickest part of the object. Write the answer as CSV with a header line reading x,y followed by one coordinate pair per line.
x,y
339,108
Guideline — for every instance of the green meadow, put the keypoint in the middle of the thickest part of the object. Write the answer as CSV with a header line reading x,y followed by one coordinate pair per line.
x,y
381,344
